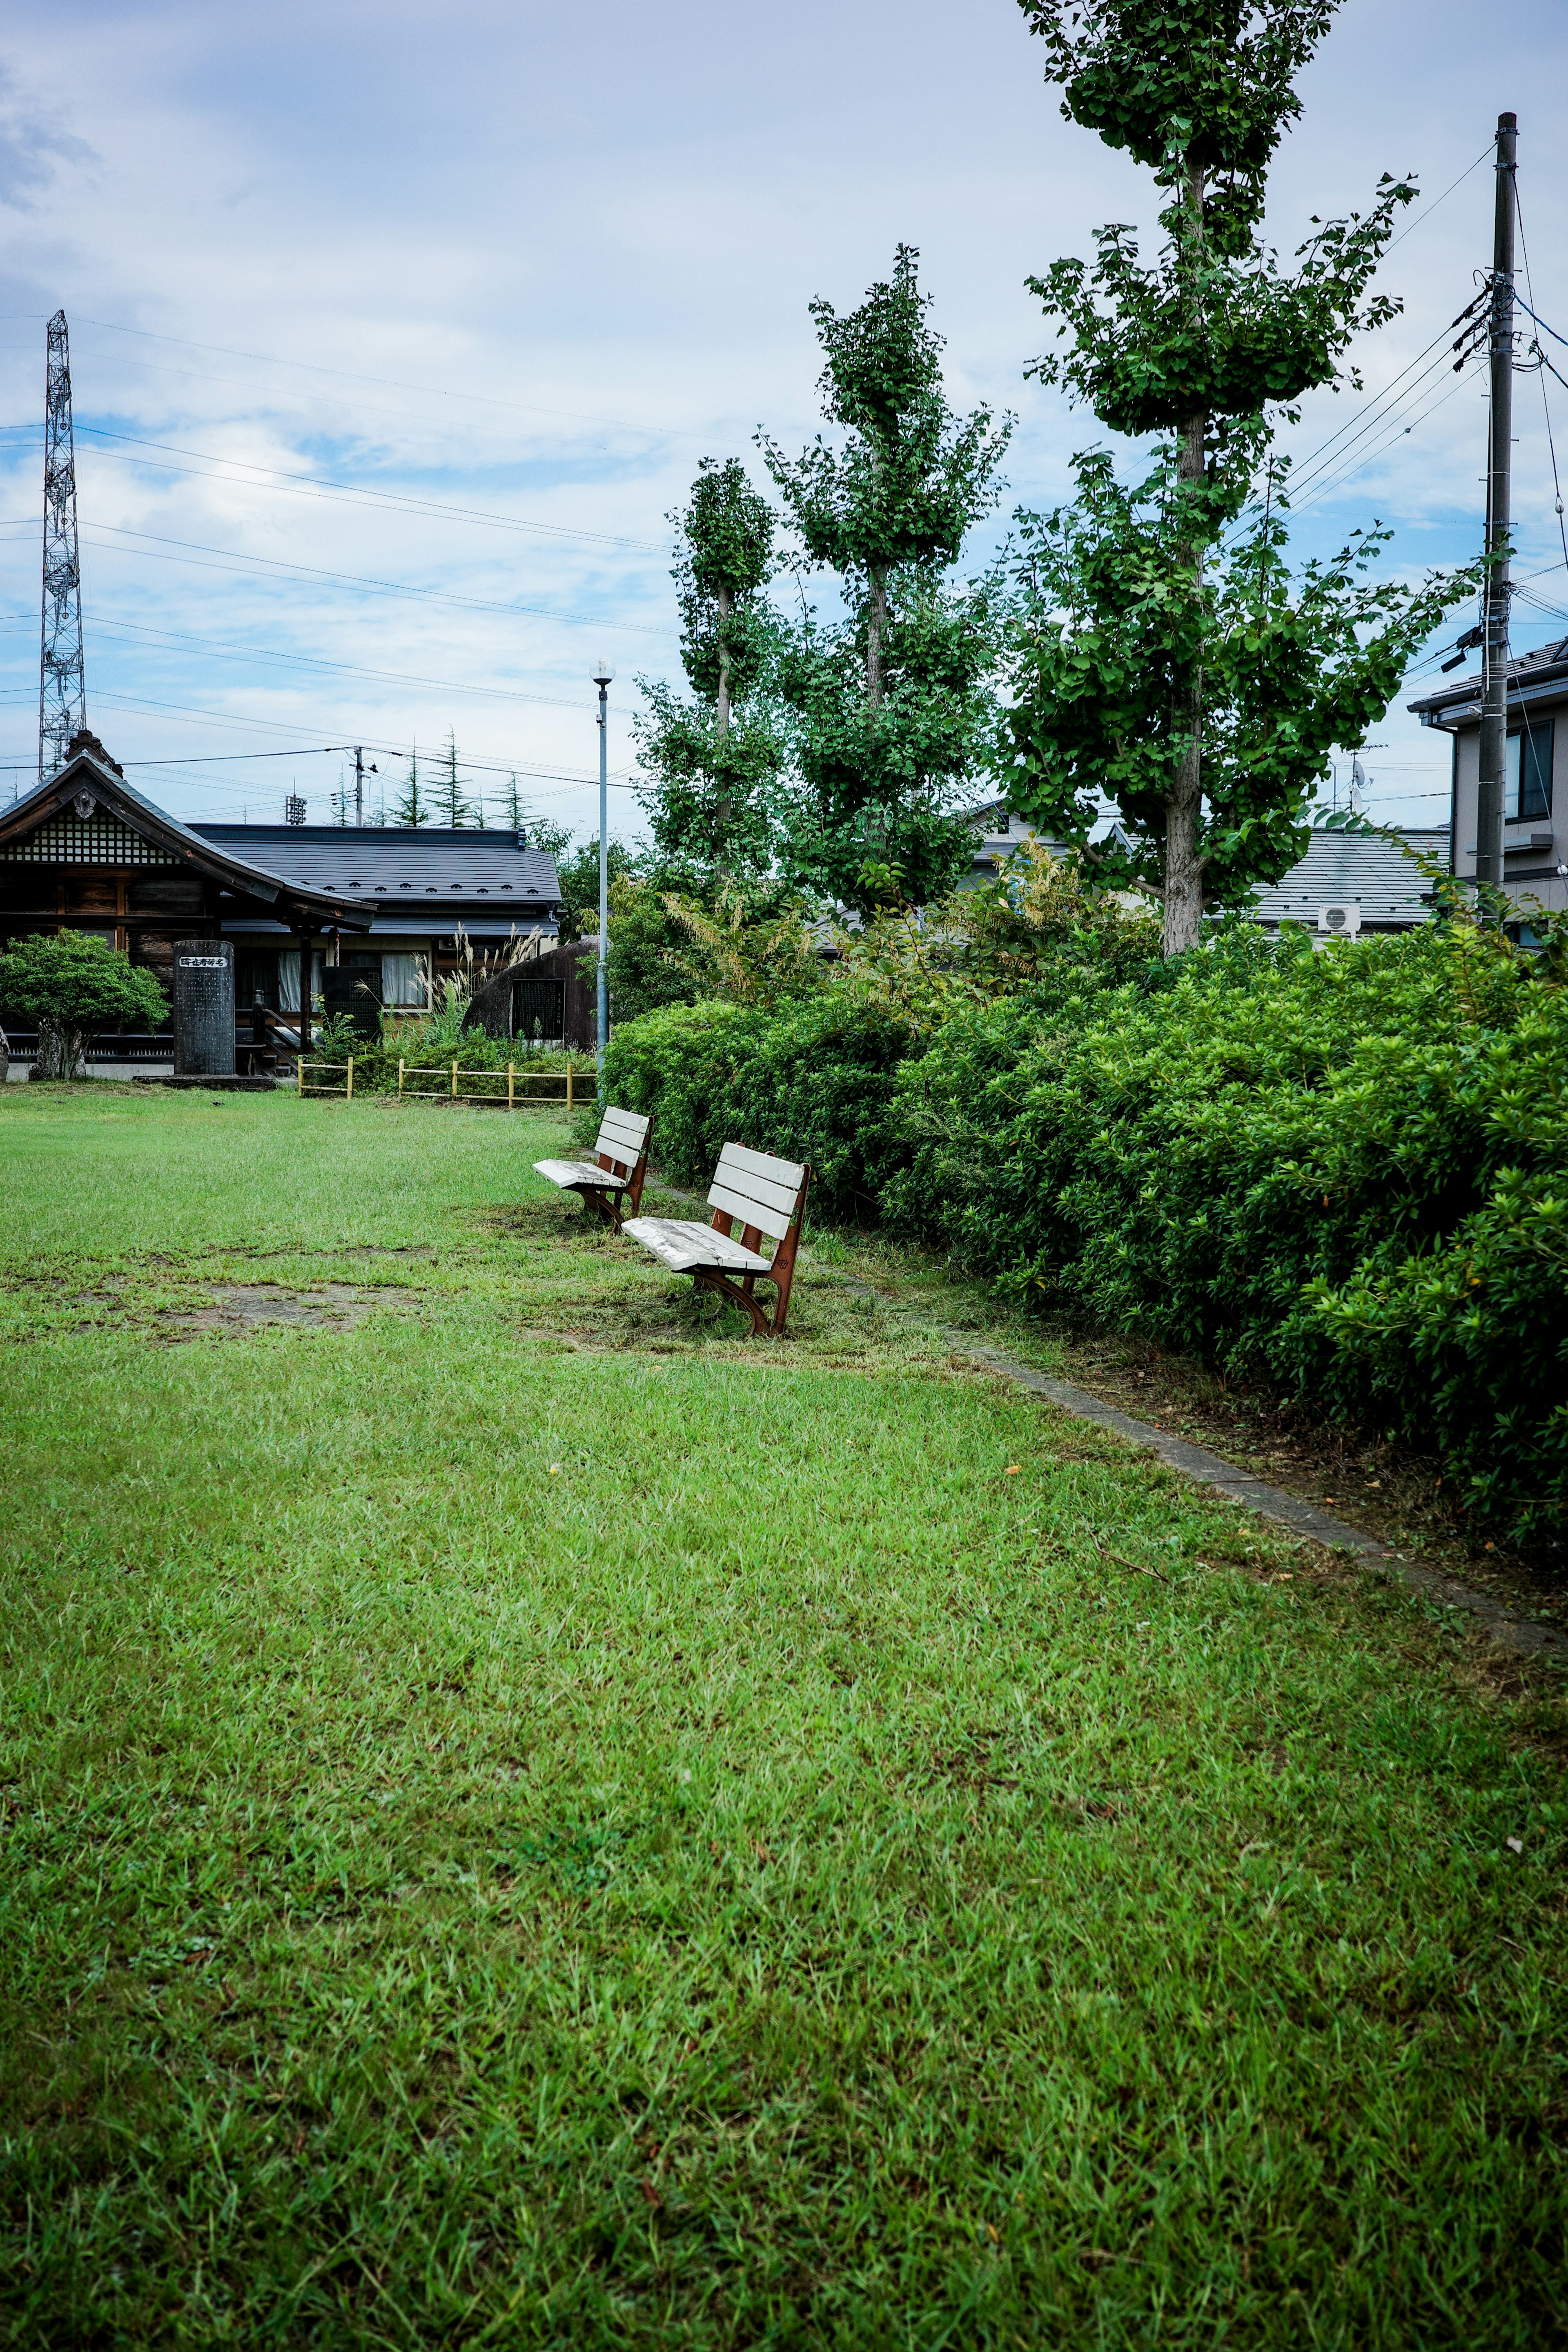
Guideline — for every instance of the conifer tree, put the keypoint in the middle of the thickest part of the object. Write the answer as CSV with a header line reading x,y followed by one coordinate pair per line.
x,y
1162,651
411,808
449,796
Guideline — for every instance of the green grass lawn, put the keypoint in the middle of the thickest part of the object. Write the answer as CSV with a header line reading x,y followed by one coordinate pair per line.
x,y
532,1820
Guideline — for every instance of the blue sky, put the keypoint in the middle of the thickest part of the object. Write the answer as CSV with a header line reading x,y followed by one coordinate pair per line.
x,y
397,331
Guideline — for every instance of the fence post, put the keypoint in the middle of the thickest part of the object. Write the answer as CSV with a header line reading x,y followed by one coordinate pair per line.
x,y
351,1077
454,1082
299,1072
400,1077
511,1086
568,1086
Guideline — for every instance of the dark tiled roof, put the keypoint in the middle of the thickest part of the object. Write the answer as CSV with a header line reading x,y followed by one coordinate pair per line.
x,y
1345,868
234,863
1547,663
397,865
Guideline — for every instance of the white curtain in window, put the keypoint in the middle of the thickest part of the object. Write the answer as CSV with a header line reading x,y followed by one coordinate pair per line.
x,y
400,980
288,980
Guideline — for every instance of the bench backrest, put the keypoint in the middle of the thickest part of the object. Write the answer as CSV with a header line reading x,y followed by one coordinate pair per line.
x,y
758,1189
623,1139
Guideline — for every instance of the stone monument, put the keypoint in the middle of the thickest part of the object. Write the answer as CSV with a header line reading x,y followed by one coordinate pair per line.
x,y
204,1009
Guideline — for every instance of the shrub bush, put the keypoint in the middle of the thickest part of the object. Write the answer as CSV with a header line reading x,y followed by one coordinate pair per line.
x,y
74,986
811,1080
376,1060
1347,1170
791,1061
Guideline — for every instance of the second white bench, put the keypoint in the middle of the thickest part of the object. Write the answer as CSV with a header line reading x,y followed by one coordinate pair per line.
x,y
614,1182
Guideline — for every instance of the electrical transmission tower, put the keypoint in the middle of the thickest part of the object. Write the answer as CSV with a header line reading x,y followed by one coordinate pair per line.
x,y
62,690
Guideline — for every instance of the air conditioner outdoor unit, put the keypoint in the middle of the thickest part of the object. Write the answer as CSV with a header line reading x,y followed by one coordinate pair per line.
x,y
1342,920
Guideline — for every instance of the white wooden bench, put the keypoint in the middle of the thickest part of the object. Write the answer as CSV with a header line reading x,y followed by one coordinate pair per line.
x,y
765,1195
612,1182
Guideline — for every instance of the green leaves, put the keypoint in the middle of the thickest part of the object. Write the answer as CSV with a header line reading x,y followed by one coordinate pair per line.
x,y
1344,1170
1137,673
74,986
1207,332
714,808
1207,81
914,477
1108,628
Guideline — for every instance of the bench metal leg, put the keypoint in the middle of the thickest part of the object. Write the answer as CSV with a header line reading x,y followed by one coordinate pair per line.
x,y
607,1204
763,1325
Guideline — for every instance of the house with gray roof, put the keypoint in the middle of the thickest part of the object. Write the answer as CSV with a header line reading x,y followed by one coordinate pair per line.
x,y
1535,831
1345,884
1353,882
423,889
86,852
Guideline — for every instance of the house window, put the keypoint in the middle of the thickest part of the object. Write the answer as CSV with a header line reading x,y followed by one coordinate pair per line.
x,y
256,974
400,981
1528,791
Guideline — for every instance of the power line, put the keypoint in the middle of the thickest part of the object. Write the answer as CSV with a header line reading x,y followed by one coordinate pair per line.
x,y
1336,481
351,493
239,561
1374,421
179,637
435,392
1405,232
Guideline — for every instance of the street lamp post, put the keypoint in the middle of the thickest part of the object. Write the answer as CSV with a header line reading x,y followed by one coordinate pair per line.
x,y
603,672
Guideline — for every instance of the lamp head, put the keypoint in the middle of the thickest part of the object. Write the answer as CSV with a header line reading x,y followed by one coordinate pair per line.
x,y
604,671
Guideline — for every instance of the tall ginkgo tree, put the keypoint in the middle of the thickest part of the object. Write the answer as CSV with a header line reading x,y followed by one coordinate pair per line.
x,y
1163,650
710,758
890,705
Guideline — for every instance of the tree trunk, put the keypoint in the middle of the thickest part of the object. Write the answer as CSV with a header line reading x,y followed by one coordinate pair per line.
x,y
1183,866
719,835
726,606
875,631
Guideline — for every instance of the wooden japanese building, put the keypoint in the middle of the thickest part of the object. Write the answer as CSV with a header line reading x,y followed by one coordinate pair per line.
x,y
86,852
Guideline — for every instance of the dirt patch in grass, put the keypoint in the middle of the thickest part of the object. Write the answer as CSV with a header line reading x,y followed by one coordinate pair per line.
x,y
245,1306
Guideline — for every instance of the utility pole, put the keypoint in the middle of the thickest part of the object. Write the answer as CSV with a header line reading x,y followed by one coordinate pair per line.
x,y
1494,773
62,681
361,772
603,673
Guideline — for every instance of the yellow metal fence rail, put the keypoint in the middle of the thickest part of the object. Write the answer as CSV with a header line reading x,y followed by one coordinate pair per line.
x,y
505,1090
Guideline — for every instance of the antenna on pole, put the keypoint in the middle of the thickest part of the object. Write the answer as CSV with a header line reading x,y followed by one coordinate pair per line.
x,y
62,679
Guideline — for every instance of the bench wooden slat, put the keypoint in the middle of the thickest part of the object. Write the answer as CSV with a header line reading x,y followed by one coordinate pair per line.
x,y
736,1157
757,1188
622,1127
567,1172
763,1193
764,1214
682,1245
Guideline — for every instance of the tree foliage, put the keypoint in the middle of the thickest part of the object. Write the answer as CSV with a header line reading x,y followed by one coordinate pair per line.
x,y
711,758
450,796
411,807
1105,638
890,706
73,987
1200,346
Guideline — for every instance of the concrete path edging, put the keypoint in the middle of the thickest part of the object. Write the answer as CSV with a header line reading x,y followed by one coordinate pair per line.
x,y
1206,1469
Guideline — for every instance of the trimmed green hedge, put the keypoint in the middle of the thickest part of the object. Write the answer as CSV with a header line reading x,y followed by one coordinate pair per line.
x,y
1347,1171
811,1080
